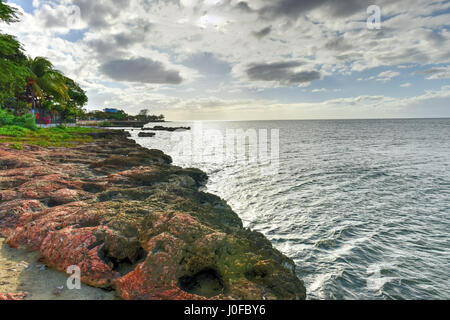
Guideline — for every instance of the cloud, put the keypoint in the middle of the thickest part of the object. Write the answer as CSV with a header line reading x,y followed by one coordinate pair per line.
x,y
406,85
101,13
338,44
262,33
436,73
282,72
294,8
215,44
208,64
120,42
387,75
244,7
142,70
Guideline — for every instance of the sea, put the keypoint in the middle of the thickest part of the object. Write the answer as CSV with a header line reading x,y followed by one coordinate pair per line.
x,y
361,206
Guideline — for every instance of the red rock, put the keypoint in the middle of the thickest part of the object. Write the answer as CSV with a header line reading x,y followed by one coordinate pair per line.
x,y
13,296
143,229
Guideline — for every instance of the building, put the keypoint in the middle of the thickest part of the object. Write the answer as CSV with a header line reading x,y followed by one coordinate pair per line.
x,y
110,110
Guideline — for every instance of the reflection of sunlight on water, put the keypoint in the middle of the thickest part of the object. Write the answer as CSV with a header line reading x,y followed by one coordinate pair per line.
x,y
346,249
318,284
375,280
347,202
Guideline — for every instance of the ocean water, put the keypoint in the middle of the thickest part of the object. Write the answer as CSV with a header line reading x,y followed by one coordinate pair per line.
x,y
362,206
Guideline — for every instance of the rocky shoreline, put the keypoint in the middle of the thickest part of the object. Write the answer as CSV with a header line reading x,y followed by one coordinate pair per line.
x,y
136,224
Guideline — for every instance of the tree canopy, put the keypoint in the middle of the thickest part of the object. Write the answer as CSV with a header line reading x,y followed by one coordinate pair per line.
x,y
30,83
13,65
7,13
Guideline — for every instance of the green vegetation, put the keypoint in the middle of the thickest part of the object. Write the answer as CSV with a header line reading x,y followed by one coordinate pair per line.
x,y
16,146
8,119
33,84
105,124
22,130
7,14
144,116
52,137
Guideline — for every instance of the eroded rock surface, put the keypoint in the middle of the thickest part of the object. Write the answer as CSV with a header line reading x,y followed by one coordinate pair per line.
x,y
136,224
13,296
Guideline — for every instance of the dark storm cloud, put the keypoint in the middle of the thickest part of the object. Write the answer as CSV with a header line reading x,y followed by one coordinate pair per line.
x,y
262,33
281,72
140,70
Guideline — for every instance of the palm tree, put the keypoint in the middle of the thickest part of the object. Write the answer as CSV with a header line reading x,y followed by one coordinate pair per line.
x,y
45,82
7,13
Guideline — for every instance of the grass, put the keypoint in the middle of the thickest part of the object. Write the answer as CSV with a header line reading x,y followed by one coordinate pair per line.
x,y
52,137
105,124
16,146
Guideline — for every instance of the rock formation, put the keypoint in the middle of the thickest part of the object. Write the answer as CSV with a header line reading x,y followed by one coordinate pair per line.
x,y
136,224
170,129
146,134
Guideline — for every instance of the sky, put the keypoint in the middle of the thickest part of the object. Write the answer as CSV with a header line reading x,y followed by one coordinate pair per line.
x,y
248,60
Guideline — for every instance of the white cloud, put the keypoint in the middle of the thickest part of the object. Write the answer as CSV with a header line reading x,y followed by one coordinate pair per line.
x,y
438,73
329,38
387,76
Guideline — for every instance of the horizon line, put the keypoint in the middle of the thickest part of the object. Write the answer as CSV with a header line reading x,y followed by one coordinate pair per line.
x,y
312,119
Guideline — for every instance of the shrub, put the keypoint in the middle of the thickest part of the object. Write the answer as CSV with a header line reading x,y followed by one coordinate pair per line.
x,y
26,121
16,146
105,124
14,131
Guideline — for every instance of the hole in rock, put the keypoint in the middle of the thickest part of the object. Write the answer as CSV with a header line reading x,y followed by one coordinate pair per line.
x,y
123,266
52,203
206,283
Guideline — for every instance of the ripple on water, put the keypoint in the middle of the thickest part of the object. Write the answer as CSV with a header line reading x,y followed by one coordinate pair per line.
x,y
362,206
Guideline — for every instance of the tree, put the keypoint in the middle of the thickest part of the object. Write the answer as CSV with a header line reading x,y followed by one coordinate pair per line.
x,y
12,59
77,96
144,112
45,82
7,13
14,72
25,80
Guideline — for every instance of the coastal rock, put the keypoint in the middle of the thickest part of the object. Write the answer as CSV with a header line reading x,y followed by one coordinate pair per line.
x,y
146,134
170,129
135,223
13,296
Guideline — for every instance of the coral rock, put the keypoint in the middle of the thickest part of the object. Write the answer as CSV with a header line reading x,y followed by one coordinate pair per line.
x,y
133,222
